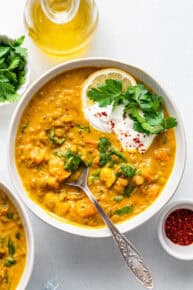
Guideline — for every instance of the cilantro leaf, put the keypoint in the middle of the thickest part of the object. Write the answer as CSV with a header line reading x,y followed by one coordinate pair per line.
x,y
72,161
105,93
124,210
9,261
3,51
128,190
7,92
127,170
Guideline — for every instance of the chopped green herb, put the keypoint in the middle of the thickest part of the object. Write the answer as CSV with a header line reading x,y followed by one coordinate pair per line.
x,y
10,215
6,278
11,247
9,261
72,161
124,210
18,235
13,60
141,105
55,139
128,190
106,151
24,127
81,127
118,198
127,170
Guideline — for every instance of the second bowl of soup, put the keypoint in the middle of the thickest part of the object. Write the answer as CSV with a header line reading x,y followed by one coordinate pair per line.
x,y
111,117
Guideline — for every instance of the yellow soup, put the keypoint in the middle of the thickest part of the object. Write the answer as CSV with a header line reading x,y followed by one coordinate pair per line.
x,y
12,245
54,136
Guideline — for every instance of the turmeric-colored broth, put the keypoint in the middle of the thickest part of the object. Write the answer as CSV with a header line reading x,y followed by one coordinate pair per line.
x,y
57,109
12,245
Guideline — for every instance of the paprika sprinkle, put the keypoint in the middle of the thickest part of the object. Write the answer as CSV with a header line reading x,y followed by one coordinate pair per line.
x,y
179,227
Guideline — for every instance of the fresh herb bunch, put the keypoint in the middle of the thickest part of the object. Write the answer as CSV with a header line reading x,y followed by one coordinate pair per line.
x,y
107,151
143,107
13,59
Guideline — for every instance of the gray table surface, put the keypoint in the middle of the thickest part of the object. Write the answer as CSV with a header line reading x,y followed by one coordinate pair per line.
x,y
156,35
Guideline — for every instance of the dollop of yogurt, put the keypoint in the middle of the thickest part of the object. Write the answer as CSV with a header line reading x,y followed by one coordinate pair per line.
x,y
107,119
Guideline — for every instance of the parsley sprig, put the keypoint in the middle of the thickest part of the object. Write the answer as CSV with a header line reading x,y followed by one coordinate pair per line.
x,y
140,104
12,68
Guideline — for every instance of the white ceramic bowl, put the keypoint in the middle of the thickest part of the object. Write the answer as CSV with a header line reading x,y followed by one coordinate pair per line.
x,y
29,237
177,251
23,87
172,183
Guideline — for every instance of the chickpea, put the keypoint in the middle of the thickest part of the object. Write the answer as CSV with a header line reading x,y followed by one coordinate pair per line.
x,y
56,168
107,175
50,201
85,208
138,180
120,184
37,155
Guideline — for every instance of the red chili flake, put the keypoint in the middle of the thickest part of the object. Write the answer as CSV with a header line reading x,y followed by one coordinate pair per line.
x,y
98,114
136,140
104,114
112,124
179,227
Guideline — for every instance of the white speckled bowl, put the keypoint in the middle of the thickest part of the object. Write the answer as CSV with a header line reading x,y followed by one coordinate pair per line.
x,y
177,251
29,237
171,185
22,89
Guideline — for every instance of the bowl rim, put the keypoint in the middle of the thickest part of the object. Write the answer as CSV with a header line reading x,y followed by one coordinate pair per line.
x,y
21,90
183,203
41,213
29,236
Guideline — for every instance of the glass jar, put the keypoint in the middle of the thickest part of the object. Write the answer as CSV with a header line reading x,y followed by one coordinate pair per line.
x,y
61,27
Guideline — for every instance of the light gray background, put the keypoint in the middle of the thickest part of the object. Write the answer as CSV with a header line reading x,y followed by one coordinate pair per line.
x,y
156,35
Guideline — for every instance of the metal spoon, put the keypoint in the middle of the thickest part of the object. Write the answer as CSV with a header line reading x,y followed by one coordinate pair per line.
x,y
132,258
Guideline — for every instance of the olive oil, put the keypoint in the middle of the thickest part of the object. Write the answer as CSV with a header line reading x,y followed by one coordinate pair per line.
x,y
61,28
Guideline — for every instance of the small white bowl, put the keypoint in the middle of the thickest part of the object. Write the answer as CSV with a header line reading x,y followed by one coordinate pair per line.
x,y
177,251
23,87
173,180
29,237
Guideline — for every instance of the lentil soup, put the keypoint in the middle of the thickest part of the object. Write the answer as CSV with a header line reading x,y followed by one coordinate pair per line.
x,y
12,245
54,139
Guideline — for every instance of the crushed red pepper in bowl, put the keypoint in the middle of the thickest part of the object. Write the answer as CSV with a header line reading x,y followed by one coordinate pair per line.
x,y
179,226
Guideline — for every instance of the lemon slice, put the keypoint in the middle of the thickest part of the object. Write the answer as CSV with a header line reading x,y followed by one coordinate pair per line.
x,y
102,75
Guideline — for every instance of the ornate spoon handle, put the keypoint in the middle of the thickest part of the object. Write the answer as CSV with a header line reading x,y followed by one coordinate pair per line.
x,y
132,258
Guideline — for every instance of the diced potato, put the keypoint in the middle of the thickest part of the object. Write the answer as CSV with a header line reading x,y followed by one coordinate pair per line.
x,y
107,175
85,208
